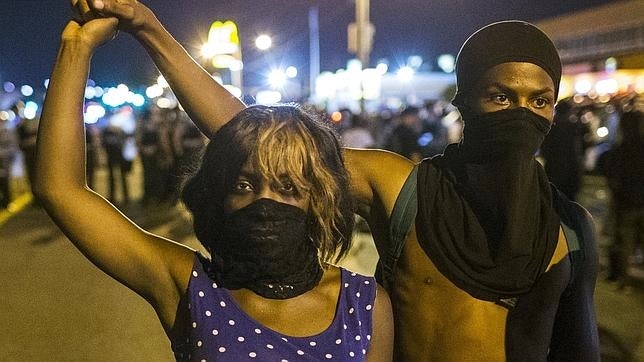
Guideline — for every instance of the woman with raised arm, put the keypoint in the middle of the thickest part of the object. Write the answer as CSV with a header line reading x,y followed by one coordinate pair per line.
x,y
270,204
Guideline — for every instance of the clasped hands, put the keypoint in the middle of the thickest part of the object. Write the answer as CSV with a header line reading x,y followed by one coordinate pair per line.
x,y
95,22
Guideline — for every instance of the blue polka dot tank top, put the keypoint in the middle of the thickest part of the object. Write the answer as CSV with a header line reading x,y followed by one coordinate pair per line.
x,y
221,331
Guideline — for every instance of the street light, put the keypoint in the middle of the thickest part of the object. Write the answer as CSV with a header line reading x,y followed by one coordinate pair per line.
x,y
291,72
405,74
277,78
263,42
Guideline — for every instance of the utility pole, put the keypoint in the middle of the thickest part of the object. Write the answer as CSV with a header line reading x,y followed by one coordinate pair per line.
x,y
314,48
364,32
360,35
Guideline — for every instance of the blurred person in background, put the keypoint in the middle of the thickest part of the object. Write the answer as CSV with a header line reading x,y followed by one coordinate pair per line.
x,y
486,260
189,142
7,153
27,130
148,144
357,135
92,148
563,150
623,166
113,139
404,138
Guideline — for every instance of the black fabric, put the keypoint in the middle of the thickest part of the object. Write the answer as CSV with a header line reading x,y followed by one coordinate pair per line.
x,y
502,42
485,208
265,247
402,218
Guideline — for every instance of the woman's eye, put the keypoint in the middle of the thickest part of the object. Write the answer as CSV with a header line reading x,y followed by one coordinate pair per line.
x,y
242,186
500,98
289,188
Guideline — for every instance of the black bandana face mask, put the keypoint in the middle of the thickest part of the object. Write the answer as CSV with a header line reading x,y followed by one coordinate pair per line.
x,y
515,133
265,247
486,207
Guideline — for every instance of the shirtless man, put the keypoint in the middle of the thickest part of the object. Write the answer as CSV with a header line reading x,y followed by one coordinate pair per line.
x,y
498,265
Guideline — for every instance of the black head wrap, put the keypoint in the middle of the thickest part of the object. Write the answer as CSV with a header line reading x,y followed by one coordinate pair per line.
x,y
503,42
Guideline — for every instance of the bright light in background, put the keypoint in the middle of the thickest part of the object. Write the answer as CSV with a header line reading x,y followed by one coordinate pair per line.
x,y
164,102
447,63
93,113
135,99
115,97
162,82
263,42
31,108
154,91
354,65
325,86
382,68
267,97
4,116
336,117
415,61
236,65
7,115
90,92
602,132
606,86
277,78
46,83
405,74
371,83
8,87
291,72
610,64
583,86
208,50
26,90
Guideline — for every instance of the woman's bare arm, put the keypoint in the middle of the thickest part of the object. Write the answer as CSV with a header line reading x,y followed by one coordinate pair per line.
x,y
155,268
382,335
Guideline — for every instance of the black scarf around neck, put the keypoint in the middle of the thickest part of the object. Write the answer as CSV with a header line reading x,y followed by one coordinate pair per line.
x,y
485,209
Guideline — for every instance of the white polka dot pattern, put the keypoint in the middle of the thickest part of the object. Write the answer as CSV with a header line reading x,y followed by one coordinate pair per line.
x,y
220,327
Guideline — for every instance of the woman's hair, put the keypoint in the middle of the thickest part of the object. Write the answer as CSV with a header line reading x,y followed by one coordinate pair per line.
x,y
281,138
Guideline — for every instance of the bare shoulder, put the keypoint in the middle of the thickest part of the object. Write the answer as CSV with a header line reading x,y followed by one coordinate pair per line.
x,y
376,175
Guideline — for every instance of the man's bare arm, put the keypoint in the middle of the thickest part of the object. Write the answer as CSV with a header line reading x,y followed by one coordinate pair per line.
x,y
207,102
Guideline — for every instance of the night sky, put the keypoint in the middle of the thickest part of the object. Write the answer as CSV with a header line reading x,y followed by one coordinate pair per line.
x,y
30,30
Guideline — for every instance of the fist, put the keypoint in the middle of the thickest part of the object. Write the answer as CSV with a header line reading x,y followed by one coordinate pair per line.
x,y
92,33
132,15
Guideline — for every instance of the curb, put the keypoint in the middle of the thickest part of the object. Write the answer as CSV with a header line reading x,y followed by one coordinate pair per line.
x,y
15,207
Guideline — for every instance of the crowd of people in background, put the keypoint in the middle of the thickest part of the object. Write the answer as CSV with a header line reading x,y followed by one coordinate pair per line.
x,y
165,142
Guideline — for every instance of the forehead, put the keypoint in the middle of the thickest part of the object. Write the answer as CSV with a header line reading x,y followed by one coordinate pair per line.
x,y
251,169
517,76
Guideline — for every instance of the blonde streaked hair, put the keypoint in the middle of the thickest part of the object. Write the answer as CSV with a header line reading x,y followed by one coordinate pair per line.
x,y
280,140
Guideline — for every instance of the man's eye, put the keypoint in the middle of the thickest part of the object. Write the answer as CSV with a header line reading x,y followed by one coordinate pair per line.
x,y
541,102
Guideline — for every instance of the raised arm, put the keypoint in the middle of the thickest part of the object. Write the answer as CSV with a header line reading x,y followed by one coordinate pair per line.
x,y
155,268
207,103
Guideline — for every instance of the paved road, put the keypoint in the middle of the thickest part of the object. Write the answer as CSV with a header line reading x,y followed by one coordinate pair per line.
x,y
56,306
